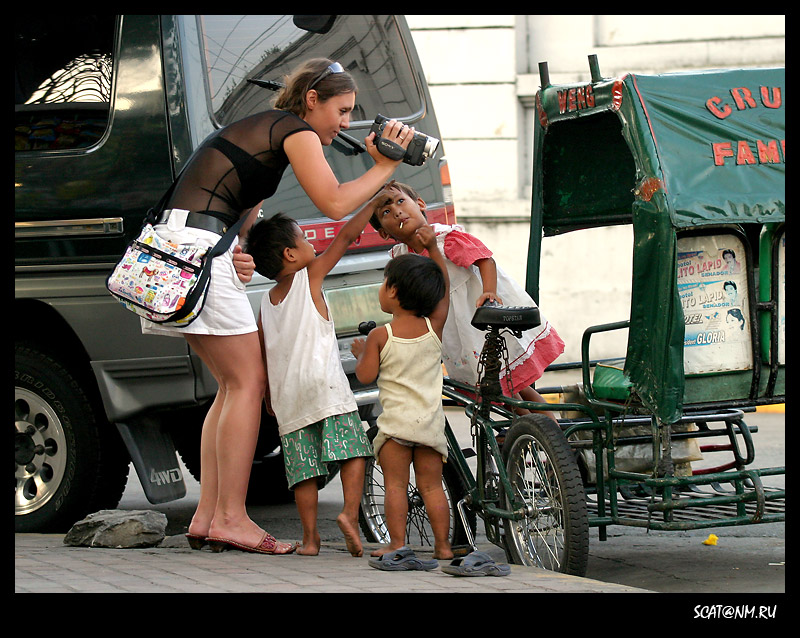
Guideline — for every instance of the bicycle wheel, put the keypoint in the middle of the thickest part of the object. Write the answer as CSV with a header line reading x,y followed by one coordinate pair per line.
x,y
544,475
372,518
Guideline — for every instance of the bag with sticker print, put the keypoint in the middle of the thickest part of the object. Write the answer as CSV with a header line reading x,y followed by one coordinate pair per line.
x,y
162,281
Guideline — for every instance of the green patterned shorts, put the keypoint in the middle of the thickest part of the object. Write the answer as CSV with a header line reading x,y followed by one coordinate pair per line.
x,y
336,438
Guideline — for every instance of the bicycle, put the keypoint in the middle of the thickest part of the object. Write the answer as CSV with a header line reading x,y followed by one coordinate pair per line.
x,y
527,487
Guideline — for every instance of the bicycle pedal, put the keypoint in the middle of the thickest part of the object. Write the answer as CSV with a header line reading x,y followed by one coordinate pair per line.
x,y
468,452
461,550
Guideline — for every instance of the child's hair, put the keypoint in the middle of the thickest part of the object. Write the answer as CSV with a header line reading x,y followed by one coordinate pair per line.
x,y
418,280
374,221
293,96
266,241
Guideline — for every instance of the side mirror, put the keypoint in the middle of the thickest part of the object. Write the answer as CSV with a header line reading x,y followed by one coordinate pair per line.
x,y
315,24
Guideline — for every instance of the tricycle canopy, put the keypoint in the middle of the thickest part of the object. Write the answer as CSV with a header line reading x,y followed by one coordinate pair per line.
x,y
673,154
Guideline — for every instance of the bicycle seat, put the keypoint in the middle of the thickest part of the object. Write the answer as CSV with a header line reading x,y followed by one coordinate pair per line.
x,y
513,317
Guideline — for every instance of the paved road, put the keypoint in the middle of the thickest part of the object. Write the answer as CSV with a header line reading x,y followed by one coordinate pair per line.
x,y
43,564
748,559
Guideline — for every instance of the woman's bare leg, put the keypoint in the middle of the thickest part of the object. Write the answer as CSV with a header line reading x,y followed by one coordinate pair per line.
x,y
230,433
207,503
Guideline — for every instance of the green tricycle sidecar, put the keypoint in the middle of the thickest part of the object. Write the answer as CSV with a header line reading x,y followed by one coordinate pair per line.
x,y
696,163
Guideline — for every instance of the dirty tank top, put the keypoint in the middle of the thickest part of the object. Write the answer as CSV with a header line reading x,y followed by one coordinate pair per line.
x,y
410,391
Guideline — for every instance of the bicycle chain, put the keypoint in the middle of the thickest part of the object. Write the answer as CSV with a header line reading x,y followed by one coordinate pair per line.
x,y
493,355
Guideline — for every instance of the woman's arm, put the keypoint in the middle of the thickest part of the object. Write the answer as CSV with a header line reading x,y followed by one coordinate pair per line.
x,y
333,199
312,170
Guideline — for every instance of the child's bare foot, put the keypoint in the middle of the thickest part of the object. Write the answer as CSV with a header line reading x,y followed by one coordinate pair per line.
x,y
310,547
351,536
383,550
443,551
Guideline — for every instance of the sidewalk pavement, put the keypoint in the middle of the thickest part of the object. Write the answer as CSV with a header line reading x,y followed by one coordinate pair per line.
x,y
43,564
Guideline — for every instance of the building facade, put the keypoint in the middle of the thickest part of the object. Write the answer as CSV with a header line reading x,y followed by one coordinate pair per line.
x,y
483,75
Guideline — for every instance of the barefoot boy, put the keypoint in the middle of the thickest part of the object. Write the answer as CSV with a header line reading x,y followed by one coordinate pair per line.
x,y
309,393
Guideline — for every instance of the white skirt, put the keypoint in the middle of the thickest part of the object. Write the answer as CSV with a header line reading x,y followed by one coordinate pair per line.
x,y
226,310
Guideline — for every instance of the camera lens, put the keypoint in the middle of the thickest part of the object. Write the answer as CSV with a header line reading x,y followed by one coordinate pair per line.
x,y
431,144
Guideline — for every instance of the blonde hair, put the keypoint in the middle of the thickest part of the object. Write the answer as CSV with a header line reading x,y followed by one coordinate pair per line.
x,y
293,96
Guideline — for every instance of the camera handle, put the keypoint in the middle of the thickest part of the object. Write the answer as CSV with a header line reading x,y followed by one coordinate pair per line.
x,y
390,149
356,146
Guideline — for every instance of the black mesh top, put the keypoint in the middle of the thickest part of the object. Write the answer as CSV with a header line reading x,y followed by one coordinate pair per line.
x,y
238,166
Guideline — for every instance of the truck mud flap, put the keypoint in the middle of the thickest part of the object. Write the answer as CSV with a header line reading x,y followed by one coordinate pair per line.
x,y
154,458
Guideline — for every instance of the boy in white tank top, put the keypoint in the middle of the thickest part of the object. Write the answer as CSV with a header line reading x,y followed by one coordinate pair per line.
x,y
307,389
407,353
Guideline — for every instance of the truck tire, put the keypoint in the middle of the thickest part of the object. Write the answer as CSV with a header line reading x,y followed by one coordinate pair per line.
x,y
67,464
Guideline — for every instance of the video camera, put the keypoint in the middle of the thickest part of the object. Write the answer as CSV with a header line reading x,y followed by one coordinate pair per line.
x,y
419,149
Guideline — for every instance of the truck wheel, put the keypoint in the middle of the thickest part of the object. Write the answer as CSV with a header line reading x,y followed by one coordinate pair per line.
x,y
66,464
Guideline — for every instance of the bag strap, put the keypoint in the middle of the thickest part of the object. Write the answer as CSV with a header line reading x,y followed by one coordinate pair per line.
x,y
152,215
225,241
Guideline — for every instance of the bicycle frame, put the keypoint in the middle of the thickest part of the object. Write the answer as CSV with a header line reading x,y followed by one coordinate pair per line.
x,y
612,481
480,410
490,412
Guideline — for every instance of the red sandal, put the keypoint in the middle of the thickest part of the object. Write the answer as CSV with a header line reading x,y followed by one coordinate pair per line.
x,y
267,545
196,541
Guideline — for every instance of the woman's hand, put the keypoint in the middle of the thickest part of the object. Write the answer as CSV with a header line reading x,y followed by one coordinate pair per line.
x,y
244,264
393,131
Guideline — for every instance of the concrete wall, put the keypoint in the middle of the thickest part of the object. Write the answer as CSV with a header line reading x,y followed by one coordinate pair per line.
x,y
483,74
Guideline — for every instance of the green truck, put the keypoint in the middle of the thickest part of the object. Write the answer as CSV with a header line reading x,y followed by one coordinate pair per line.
x,y
107,110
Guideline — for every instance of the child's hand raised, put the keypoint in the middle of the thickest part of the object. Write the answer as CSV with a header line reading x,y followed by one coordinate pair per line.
x,y
243,264
426,236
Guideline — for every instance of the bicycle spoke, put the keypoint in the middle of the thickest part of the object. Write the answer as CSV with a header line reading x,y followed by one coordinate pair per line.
x,y
535,485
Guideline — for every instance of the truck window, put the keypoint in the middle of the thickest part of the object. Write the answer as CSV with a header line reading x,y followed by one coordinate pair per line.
x,y
62,73
267,47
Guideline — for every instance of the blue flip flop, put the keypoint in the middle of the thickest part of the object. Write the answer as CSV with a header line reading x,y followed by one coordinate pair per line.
x,y
476,564
402,560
